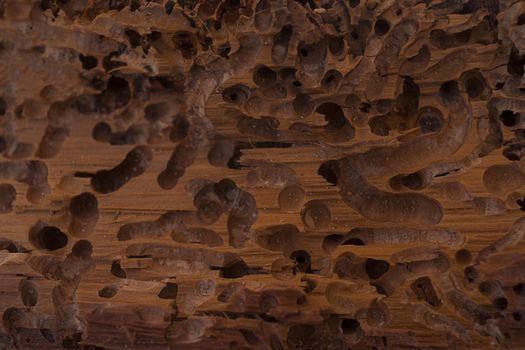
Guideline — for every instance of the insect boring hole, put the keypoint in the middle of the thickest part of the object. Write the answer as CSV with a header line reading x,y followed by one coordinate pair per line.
x,y
49,238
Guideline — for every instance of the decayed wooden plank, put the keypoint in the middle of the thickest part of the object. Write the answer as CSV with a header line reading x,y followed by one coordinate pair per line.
x,y
151,85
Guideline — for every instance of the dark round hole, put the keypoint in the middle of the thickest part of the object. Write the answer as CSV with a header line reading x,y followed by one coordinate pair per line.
x,y
117,94
516,315
336,45
101,132
474,87
155,35
117,84
513,152
381,290
521,19
353,241
3,106
463,256
500,303
328,171
354,35
224,50
117,270
235,94
449,89
350,326
51,238
413,181
107,292
235,269
376,268
310,284
381,27
88,62
82,249
509,118
303,104
333,114
134,37
303,52
354,3
365,107
485,288
302,259
13,248
264,75
470,273
72,341
519,289
521,203
331,242
297,83
430,120
379,126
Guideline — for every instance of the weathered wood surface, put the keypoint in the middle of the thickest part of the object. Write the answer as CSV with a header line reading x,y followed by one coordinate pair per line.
x,y
40,46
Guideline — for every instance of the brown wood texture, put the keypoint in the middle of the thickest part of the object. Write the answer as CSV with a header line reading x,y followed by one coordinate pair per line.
x,y
40,68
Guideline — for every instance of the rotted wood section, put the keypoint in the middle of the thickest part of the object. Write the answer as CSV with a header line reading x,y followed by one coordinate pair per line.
x,y
256,174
